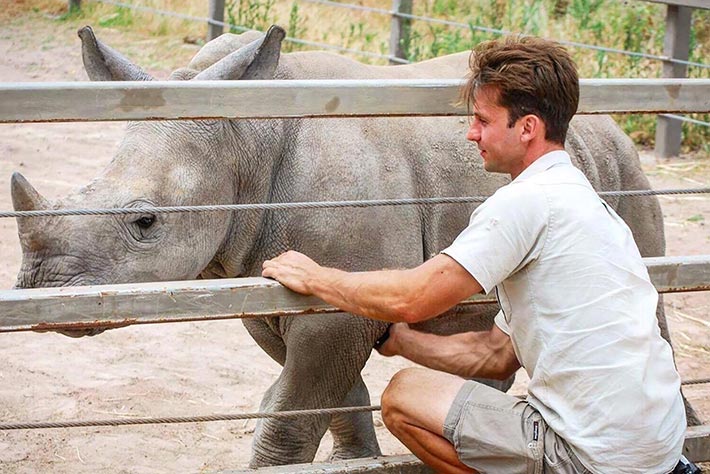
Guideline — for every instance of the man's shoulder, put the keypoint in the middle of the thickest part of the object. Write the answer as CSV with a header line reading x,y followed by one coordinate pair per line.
x,y
529,191
560,174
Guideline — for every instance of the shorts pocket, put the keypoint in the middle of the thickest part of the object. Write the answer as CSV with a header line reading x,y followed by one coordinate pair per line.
x,y
494,438
534,429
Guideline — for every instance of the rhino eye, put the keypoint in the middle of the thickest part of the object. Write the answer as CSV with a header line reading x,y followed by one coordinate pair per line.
x,y
144,222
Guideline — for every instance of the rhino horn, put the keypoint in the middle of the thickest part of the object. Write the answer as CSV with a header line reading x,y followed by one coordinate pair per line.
x,y
24,196
257,60
103,63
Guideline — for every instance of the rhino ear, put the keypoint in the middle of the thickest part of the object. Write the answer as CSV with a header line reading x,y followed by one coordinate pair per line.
x,y
267,57
24,196
257,60
103,63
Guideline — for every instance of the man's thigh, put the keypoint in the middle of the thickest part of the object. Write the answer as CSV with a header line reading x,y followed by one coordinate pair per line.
x,y
497,433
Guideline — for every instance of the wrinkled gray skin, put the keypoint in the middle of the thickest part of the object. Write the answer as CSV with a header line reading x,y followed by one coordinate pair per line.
x,y
249,161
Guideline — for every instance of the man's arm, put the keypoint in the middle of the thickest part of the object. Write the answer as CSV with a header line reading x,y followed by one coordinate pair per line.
x,y
485,354
411,295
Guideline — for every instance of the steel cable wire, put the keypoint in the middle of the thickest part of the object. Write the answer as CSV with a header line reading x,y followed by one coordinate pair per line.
x,y
34,425
310,205
184,419
686,119
695,381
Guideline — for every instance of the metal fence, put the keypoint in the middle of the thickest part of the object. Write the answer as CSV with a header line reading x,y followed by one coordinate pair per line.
x,y
675,58
113,306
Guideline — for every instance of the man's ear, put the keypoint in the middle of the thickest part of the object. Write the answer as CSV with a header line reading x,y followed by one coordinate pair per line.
x,y
532,127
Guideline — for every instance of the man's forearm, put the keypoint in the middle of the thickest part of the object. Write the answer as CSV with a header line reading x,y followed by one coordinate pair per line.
x,y
383,295
409,295
468,355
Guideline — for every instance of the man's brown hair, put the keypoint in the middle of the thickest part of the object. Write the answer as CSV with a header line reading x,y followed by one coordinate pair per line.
x,y
532,76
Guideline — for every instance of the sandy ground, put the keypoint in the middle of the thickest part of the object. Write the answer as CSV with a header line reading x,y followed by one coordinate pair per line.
x,y
193,369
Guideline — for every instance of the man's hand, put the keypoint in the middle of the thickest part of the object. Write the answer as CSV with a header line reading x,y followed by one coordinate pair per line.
x,y
392,346
293,270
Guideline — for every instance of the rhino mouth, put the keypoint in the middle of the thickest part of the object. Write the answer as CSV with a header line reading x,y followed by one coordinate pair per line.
x,y
52,272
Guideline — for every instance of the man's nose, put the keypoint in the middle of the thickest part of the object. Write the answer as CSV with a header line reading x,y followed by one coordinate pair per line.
x,y
474,133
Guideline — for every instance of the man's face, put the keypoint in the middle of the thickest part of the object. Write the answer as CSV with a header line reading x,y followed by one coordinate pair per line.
x,y
500,145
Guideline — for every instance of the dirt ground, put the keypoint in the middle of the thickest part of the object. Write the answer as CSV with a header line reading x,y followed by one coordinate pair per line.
x,y
206,368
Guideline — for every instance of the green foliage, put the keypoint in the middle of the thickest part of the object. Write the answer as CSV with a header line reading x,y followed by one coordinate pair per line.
x,y
252,14
584,11
630,26
72,13
296,28
696,218
122,17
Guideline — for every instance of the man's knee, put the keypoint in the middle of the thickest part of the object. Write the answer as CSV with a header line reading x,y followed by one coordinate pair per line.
x,y
407,394
394,398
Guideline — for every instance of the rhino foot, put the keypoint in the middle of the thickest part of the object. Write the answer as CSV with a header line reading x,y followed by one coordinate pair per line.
x,y
363,452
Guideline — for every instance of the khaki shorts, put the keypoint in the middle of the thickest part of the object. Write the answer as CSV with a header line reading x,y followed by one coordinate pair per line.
x,y
498,433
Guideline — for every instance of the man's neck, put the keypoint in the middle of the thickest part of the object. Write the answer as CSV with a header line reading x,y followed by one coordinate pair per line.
x,y
534,152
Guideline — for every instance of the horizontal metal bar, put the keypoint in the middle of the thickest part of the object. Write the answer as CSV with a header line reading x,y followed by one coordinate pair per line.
x,y
400,464
696,448
704,4
697,443
156,100
111,306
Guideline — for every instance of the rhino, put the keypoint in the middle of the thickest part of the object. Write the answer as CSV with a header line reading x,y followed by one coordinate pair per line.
x,y
194,162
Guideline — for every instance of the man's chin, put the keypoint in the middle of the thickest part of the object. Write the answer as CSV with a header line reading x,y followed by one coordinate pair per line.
x,y
490,167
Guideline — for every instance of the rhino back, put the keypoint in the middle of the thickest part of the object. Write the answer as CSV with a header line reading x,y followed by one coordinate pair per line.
x,y
377,158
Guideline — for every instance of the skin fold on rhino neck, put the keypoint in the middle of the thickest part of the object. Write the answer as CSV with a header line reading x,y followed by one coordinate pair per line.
x,y
253,167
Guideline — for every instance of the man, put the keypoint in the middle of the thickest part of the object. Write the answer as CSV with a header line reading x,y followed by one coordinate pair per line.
x,y
577,306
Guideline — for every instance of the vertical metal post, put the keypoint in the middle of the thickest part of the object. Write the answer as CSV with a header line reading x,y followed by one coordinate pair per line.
x,y
677,46
216,14
399,29
74,5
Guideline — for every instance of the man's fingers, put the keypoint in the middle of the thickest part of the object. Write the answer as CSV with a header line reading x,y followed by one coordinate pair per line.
x,y
269,268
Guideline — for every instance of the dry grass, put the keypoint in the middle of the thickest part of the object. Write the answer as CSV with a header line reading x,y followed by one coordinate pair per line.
x,y
632,25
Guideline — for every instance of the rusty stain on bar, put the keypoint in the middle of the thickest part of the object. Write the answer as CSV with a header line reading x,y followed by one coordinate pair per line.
x,y
79,325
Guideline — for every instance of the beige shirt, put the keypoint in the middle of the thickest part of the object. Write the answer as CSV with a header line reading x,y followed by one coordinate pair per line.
x,y
578,305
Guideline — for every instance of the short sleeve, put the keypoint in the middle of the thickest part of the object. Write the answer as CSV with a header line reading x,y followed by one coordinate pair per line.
x,y
502,323
504,234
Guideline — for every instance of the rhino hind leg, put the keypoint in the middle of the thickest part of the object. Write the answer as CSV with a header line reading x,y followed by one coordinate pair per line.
x,y
354,433
692,417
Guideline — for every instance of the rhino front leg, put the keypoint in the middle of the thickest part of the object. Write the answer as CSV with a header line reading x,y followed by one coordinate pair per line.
x,y
285,441
354,433
324,358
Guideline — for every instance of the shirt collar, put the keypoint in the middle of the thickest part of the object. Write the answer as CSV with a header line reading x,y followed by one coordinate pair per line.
x,y
544,163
